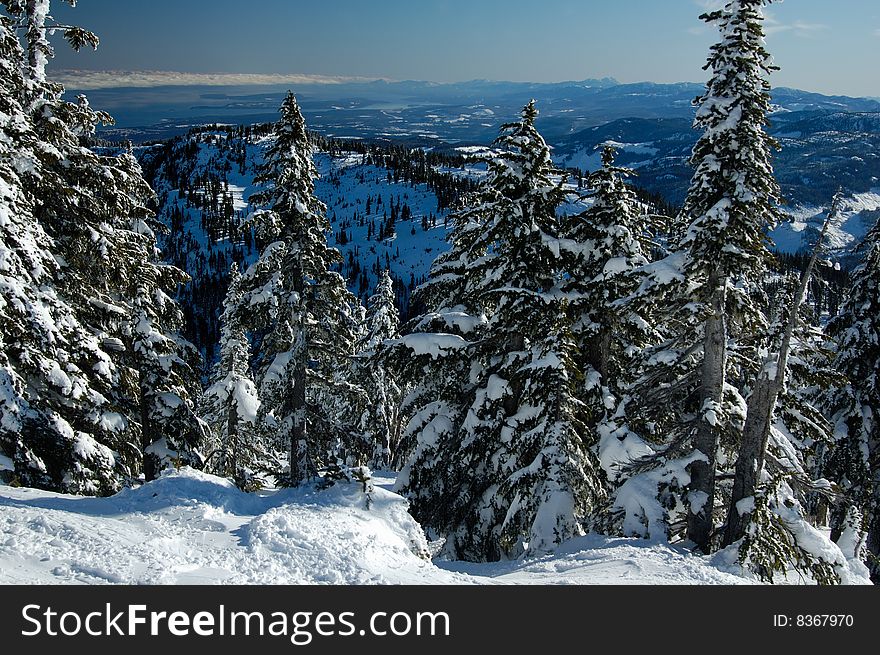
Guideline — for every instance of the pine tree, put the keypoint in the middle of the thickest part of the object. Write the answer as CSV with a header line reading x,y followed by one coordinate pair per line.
x,y
508,440
309,318
778,517
380,421
231,404
762,402
610,244
703,295
854,459
57,424
732,201
382,319
95,209
54,421
32,17
172,434
604,250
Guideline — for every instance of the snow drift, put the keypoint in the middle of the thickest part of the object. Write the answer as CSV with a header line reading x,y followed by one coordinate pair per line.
x,y
189,527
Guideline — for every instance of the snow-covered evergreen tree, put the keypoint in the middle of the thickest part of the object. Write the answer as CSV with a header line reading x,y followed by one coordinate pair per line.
x,y
309,318
432,360
609,245
32,18
381,396
855,459
59,425
732,202
772,517
172,434
94,208
383,319
703,295
784,428
604,250
54,420
511,471
231,403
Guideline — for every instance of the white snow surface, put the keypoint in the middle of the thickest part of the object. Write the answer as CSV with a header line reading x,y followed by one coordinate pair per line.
x,y
858,213
594,559
192,528
590,159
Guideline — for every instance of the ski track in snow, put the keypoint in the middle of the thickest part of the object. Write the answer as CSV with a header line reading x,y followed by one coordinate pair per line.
x,y
193,528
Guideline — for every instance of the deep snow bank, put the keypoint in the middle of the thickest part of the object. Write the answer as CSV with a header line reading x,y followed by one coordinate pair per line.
x,y
192,528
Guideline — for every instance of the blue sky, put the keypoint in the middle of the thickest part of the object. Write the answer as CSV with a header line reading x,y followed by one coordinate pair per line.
x,y
830,46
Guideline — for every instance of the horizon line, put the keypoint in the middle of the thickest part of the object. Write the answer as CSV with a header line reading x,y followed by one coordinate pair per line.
x,y
97,80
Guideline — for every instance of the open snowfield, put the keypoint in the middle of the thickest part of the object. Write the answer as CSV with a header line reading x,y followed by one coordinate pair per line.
x,y
193,528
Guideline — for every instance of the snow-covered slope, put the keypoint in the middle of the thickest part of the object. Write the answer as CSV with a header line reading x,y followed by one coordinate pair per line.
x,y
858,213
192,528
359,198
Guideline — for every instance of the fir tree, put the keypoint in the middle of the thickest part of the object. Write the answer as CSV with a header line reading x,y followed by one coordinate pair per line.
x,y
512,446
703,295
778,517
55,423
172,434
855,456
309,318
762,402
610,243
32,17
604,250
732,202
95,209
231,404
382,396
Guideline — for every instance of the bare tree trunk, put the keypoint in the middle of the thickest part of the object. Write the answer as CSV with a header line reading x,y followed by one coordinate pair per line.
x,y
750,462
762,404
604,360
37,43
701,495
299,469
516,342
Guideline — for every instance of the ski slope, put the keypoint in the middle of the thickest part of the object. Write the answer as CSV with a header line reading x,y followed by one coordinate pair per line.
x,y
193,528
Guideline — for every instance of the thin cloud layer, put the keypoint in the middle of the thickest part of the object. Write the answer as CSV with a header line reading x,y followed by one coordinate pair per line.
x,y
799,28
772,25
90,80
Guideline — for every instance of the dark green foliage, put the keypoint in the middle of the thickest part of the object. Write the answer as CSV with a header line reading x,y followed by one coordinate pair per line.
x,y
503,429
769,547
307,316
102,301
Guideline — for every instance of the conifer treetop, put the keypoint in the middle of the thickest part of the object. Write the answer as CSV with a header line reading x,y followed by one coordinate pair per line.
x,y
734,197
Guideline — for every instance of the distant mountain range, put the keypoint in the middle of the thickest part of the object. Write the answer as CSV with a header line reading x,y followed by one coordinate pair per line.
x,y
820,151
466,112
826,142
